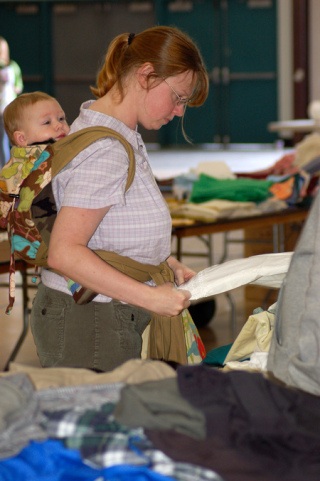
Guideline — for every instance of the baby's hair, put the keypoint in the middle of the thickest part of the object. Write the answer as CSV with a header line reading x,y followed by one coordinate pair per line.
x,y
13,113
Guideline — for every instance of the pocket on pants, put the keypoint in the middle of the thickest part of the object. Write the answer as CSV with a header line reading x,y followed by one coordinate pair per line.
x,y
131,323
47,326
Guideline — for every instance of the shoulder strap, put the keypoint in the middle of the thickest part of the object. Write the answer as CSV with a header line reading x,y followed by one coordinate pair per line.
x,y
66,149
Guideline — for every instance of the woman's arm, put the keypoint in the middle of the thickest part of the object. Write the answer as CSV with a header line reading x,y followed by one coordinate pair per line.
x,y
69,255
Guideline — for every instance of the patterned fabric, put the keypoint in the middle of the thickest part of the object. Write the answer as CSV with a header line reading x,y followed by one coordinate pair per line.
x,y
23,160
196,351
103,442
15,203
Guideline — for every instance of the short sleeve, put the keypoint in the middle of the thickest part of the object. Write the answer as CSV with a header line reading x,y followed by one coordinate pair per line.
x,y
95,178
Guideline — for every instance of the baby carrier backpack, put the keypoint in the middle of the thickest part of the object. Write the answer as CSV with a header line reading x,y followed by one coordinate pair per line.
x,y
294,355
27,205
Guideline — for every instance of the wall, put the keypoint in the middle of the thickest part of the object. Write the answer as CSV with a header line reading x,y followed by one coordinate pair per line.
x,y
314,42
82,32
285,60
94,24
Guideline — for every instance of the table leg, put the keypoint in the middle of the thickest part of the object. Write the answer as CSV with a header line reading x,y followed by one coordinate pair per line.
x,y
25,320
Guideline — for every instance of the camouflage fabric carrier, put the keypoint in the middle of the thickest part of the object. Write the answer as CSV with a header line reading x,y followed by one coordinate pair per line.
x,y
27,205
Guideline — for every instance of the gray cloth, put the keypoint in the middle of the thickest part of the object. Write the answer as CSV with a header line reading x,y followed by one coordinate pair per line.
x,y
159,405
22,408
20,416
294,351
79,398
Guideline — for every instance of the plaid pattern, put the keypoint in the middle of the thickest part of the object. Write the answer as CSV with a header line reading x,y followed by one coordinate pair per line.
x,y
103,442
139,224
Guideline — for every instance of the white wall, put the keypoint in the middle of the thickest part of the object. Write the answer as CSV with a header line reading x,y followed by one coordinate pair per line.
x,y
285,59
314,42
285,56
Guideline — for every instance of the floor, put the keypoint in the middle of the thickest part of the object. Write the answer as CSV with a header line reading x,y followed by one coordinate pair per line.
x,y
165,164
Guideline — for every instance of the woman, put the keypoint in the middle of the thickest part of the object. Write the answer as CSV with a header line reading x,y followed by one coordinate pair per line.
x,y
11,84
147,79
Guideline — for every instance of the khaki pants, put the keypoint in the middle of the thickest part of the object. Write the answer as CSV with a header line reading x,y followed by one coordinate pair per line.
x,y
97,335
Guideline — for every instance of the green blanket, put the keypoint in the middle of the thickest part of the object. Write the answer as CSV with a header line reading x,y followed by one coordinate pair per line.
x,y
242,189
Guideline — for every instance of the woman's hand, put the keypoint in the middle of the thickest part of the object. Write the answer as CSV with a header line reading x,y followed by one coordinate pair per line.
x,y
181,272
166,300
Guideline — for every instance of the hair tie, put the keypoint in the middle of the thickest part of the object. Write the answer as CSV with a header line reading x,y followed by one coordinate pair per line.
x,y
130,38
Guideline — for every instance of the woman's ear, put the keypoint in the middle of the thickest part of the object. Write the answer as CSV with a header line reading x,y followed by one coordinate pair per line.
x,y
143,73
19,138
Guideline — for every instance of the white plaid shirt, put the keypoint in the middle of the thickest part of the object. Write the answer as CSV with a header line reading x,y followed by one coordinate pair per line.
x,y
138,225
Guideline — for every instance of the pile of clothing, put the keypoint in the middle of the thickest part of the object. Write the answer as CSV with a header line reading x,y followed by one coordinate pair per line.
x,y
213,192
194,423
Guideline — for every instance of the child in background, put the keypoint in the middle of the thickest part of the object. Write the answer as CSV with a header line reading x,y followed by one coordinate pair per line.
x,y
11,85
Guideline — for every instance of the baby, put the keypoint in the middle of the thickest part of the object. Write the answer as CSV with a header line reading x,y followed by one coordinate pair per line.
x,y
32,121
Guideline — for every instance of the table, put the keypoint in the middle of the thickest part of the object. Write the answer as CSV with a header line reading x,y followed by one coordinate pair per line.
x,y
295,126
277,220
21,267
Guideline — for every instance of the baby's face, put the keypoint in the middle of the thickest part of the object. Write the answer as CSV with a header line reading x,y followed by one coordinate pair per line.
x,y
43,121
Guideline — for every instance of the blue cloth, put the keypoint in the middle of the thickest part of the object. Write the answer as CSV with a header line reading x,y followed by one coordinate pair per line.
x,y
216,356
51,461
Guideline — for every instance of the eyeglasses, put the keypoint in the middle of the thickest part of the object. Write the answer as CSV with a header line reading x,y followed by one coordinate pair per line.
x,y
180,100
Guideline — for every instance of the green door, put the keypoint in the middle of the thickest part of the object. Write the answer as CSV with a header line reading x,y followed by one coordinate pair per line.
x,y
237,39
198,19
248,70
27,28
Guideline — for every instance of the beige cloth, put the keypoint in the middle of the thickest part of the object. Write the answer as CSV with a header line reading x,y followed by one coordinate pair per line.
x,y
134,371
166,340
213,210
255,336
307,150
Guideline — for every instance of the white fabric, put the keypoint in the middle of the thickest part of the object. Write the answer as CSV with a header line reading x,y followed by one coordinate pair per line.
x,y
257,362
217,169
266,270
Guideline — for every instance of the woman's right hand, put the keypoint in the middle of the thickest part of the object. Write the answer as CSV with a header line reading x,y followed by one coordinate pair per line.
x,y
166,300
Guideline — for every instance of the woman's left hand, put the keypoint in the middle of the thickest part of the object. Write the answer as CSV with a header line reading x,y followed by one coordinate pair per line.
x,y
181,272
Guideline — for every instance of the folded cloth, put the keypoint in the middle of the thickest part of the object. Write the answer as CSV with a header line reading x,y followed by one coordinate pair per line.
x,y
132,371
215,209
241,189
265,269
